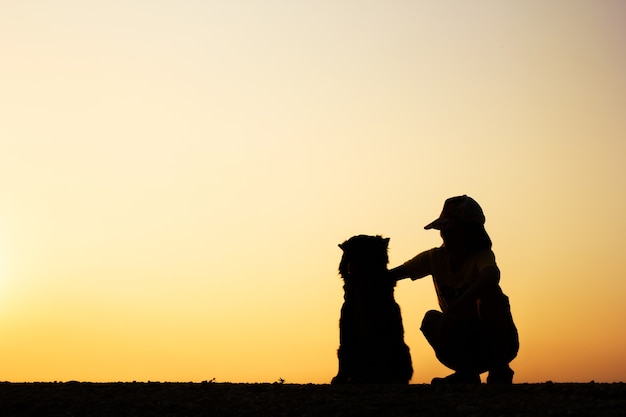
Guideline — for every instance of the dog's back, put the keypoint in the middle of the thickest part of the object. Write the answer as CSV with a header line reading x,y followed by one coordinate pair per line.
x,y
371,334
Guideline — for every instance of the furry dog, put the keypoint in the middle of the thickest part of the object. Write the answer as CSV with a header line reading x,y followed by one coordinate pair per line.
x,y
371,334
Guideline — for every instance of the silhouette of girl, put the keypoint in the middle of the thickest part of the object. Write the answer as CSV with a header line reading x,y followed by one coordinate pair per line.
x,y
474,331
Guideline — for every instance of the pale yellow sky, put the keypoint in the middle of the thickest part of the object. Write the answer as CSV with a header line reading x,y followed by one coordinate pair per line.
x,y
175,178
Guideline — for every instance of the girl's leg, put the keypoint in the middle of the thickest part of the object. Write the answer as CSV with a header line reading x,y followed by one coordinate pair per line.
x,y
456,346
501,338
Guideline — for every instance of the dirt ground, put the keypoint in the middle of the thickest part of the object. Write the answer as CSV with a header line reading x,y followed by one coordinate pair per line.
x,y
223,399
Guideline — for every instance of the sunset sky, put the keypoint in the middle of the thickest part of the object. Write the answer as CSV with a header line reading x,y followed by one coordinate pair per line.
x,y
175,177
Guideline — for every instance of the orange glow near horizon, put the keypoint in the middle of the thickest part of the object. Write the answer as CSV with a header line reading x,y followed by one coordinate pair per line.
x,y
174,181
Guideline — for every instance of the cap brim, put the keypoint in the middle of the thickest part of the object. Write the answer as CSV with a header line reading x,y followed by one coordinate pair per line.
x,y
440,224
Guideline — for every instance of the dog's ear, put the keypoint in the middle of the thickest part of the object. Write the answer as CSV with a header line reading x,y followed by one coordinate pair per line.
x,y
341,246
386,242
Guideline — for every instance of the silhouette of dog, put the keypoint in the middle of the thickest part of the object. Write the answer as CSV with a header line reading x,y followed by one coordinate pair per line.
x,y
371,334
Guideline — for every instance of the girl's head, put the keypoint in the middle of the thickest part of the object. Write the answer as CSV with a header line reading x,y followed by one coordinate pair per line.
x,y
462,225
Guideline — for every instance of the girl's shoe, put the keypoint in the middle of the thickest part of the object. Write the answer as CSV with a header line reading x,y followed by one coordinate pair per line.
x,y
503,375
457,378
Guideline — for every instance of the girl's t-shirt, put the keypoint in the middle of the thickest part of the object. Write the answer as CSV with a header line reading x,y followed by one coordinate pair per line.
x,y
449,285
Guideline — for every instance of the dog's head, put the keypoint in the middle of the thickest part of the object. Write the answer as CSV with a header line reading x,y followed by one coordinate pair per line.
x,y
363,255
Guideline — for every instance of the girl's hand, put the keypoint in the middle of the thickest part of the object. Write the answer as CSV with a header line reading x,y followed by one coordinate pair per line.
x,y
446,323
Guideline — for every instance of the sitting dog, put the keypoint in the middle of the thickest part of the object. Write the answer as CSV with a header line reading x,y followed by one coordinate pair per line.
x,y
371,334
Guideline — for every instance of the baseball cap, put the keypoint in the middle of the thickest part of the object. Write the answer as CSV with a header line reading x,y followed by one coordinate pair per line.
x,y
458,210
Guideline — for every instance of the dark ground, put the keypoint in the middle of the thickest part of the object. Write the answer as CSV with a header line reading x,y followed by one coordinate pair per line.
x,y
221,399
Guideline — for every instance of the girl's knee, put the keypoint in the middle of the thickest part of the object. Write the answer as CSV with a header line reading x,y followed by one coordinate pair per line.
x,y
430,322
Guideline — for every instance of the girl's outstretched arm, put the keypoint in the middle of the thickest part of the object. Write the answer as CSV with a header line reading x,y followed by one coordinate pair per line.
x,y
398,273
